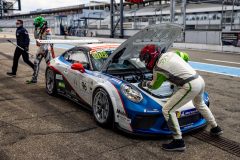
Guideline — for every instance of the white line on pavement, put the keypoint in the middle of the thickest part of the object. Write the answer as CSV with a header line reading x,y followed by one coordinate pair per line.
x,y
221,61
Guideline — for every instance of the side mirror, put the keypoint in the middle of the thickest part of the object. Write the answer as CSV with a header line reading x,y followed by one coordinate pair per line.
x,y
78,66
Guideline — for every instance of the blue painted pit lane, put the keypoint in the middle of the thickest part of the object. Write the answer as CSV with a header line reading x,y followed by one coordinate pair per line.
x,y
215,68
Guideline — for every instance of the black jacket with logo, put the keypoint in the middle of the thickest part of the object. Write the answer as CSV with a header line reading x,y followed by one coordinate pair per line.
x,y
22,37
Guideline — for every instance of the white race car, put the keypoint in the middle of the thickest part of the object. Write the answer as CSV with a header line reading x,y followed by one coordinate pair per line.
x,y
105,78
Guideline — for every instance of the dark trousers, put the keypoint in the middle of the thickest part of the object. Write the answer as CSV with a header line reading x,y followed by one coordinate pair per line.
x,y
17,54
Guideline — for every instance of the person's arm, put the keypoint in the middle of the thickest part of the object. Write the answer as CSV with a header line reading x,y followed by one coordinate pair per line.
x,y
26,39
45,47
157,81
36,34
183,55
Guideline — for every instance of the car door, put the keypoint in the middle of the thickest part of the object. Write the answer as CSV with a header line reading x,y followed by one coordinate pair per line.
x,y
79,81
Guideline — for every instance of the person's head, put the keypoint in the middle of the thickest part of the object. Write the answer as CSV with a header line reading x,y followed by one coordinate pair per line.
x,y
19,23
150,54
40,23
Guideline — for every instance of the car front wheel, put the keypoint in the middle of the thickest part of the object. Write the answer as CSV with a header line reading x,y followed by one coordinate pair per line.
x,y
102,108
50,82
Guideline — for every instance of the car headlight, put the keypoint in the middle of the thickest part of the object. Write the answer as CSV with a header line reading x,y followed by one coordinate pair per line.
x,y
131,93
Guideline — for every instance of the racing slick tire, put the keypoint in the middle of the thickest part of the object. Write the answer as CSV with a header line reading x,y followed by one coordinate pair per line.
x,y
102,108
50,82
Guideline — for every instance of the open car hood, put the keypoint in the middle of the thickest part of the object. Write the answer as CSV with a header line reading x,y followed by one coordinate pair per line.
x,y
162,35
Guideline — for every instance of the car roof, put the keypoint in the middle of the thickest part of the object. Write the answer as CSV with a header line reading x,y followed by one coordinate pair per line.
x,y
101,46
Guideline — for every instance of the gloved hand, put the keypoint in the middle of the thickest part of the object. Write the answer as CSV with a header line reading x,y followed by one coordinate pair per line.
x,y
144,83
41,53
26,49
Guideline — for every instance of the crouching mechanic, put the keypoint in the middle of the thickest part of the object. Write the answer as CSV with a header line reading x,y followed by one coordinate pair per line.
x,y
173,67
44,33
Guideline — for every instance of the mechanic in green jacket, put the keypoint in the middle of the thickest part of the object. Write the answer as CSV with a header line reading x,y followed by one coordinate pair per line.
x,y
173,67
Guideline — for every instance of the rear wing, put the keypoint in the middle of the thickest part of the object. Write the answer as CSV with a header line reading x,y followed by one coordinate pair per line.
x,y
68,41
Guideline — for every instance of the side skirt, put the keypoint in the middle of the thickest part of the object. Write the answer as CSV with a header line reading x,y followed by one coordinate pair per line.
x,y
87,106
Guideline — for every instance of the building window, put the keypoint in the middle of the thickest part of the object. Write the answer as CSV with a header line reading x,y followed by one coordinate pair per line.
x,y
197,17
167,18
187,17
163,18
176,18
192,17
205,16
212,16
218,16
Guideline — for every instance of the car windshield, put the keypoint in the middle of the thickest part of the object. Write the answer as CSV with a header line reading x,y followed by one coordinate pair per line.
x,y
100,56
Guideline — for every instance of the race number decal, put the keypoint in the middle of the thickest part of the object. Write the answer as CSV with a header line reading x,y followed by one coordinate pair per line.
x,y
99,55
84,86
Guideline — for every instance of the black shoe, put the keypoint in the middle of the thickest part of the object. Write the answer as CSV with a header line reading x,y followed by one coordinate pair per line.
x,y
11,74
216,131
175,145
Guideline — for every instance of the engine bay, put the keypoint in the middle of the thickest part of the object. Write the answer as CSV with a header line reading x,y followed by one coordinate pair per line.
x,y
165,91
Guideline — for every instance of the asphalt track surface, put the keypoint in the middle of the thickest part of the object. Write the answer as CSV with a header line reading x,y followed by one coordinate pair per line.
x,y
34,125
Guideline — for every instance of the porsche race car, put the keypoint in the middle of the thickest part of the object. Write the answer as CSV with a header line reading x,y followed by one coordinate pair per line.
x,y
106,78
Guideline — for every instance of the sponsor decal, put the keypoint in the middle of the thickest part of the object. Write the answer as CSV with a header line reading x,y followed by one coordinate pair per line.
x,y
92,83
123,118
99,55
61,84
58,64
151,110
84,86
59,77
73,92
53,61
186,113
75,82
90,89
73,72
61,91
165,60
187,125
68,96
121,112
207,99
116,80
106,78
75,99
81,76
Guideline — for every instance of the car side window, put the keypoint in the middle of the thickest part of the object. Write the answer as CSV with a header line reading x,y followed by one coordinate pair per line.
x,y
67,54
77,55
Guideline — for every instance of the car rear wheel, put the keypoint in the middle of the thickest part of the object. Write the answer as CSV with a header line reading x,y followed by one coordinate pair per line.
x,y
50,82
102,108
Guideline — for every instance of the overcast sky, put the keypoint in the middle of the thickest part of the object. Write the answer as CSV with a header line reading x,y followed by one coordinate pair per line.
x,y
32,5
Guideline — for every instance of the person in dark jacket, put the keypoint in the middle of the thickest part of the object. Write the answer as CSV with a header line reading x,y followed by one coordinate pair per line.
x,y
23,41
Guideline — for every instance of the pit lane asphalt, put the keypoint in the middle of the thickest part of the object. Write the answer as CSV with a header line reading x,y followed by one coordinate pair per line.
x,y
34,125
